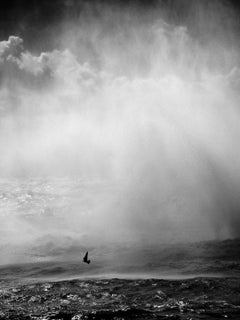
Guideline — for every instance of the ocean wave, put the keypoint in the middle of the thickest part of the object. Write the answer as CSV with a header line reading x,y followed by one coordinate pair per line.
x,y
197,298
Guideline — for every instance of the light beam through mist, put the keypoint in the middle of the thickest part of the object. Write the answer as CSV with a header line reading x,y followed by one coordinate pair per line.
x,y
142,115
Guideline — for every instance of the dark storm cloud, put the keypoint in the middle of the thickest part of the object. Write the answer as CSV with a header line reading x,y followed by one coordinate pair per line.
x,y
38,22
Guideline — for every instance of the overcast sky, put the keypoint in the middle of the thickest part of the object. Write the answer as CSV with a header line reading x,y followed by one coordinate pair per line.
x,y
142,94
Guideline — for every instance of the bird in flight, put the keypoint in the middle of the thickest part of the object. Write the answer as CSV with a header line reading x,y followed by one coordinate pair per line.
x,y
85,258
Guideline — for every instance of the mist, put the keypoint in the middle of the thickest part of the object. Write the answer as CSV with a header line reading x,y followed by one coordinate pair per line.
x,y
137,103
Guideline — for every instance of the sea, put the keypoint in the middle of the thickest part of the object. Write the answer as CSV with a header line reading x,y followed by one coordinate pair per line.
x,y
42,275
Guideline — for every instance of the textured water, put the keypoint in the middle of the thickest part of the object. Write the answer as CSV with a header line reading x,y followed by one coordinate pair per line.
x,y
42,275
198,298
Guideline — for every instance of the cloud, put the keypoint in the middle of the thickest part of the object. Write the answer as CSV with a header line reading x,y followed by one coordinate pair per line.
x,y
146,108
24,68
11,48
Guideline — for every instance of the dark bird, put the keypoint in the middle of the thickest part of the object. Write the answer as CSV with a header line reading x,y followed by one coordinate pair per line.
x,y
85,258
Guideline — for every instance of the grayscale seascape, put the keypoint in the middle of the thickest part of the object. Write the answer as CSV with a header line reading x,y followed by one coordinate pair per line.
x,y
132,280
119,159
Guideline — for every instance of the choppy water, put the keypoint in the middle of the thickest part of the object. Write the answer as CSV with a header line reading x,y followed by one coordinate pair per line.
x,y
42,275
198,298
197,281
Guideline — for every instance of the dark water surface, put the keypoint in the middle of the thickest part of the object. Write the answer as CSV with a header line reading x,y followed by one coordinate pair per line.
x,y
130,280
181,281
197,298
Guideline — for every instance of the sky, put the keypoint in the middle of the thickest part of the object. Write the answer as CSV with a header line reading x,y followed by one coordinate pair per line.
x,y
143,95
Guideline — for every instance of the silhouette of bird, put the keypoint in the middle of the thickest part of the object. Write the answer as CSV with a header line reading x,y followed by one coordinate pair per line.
x,y
85,258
